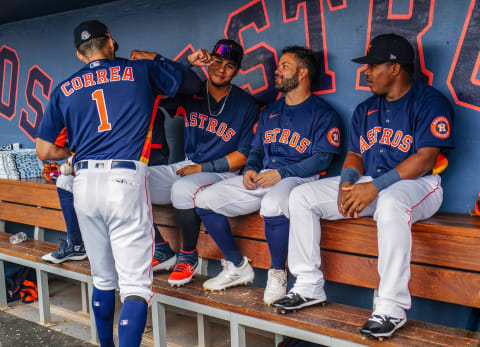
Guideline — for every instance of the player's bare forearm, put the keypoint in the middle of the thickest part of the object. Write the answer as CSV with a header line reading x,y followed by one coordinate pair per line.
x,y
249,179
353,160
138,55
189,170
418,164
268,178
236,160
49,151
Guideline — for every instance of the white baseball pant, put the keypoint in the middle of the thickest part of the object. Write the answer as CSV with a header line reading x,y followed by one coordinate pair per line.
x,y
230,197
115,216
166,187
65,182
395,209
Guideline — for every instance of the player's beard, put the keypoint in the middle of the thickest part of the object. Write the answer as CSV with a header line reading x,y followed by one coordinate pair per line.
x,y
220,85
287,84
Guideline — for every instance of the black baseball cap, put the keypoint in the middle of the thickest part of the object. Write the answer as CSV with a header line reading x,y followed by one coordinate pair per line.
x,y
91,29
228,49
388,48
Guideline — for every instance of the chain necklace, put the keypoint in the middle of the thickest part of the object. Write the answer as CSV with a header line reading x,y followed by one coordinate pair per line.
x,y
224,102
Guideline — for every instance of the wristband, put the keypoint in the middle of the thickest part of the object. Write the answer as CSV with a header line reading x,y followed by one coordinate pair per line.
x,y
219,165
349,174
386,180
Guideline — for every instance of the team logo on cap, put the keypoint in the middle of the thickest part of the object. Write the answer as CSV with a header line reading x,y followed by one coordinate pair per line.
x,y
440,127
85,35
334,137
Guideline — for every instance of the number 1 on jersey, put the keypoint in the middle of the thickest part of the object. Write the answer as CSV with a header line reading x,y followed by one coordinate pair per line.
x,y
102,110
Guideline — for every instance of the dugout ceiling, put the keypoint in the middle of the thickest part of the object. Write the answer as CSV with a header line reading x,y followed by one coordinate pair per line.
x,y
16,10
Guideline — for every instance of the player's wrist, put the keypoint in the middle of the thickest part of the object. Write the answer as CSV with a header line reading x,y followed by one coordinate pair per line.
x,y
386,180
218,165
350,175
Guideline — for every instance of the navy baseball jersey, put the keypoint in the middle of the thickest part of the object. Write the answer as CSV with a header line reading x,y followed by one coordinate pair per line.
x,y
212,136
107,108
386,133
290,134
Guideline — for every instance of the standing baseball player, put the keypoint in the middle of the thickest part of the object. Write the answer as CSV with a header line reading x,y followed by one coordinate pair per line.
x,y
106,109
218,132
296,139
389,173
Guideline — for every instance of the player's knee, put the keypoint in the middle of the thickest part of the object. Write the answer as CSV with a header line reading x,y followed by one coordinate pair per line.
x,y
274,205
182,193
203,198
389,208
135,298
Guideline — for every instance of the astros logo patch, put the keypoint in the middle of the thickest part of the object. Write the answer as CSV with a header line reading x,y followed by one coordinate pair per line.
x,y
440,127
334,137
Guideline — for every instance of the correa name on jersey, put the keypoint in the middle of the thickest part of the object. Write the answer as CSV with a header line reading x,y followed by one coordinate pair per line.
x,y
105,101
289,134
386,133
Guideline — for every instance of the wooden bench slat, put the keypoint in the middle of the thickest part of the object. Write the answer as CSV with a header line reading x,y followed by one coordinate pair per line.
x,y
35,192
45,218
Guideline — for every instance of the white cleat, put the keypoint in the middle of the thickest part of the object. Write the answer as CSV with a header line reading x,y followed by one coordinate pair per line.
x,y
276,286
230,276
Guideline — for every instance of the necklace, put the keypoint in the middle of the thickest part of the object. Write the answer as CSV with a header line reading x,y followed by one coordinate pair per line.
x,y
223,105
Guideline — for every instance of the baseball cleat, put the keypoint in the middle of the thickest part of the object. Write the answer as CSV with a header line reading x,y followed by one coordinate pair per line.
x,y
276,287
231,276
381,326
163,257
66,251
184,269
294,301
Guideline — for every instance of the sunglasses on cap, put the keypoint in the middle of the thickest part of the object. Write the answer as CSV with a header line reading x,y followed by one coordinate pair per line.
x,y
228,52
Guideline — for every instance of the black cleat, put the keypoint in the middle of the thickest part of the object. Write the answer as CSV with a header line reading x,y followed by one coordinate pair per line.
x,y
380,326
294,301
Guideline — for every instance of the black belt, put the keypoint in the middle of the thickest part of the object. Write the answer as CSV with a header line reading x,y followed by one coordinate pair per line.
x,y
116,164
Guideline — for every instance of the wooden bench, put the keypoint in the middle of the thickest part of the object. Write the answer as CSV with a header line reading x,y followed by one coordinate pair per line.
x,y
445,267
35,202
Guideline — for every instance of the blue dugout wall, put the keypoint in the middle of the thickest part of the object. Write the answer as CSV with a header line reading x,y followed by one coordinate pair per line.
x,y
36,54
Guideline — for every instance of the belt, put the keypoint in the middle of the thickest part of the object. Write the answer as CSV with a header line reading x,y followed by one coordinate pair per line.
x,y
116,164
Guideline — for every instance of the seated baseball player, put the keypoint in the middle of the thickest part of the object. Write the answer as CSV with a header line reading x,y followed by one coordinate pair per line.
x,y
296,139
106,110
389,173
218,132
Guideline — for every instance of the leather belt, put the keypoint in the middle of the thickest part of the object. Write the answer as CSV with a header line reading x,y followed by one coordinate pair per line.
x,y
116,164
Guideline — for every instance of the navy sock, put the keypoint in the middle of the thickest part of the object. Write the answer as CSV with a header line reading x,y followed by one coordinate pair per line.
x,y
71,221
131,324
158,237
103,303
189,223
276,233
219,229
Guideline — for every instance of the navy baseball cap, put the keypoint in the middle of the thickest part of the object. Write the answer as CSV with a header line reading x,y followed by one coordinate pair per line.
x,y
228,49
91,29
388,48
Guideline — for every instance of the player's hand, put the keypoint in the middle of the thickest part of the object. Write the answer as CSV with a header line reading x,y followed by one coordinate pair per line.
x,y
268,178
249,179
357,197
200,57
137,55
189,169
342,193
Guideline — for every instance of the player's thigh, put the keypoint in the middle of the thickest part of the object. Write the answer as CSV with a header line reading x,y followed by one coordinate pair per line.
x,y
230,198
275,200
185,189
414,199
94,232
161,179
131,236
